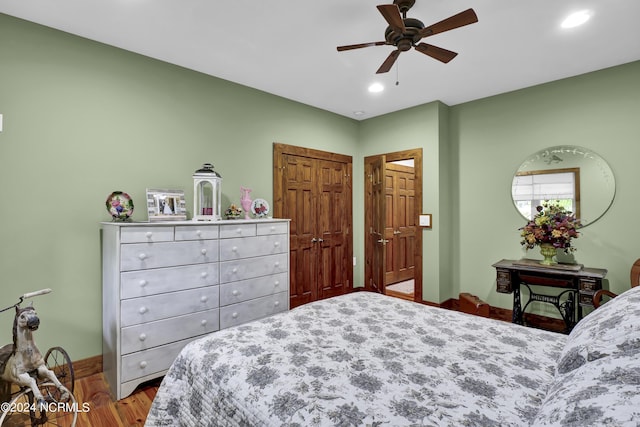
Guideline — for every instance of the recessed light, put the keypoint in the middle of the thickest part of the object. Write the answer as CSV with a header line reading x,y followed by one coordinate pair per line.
x,y
576,19
358,113
376,87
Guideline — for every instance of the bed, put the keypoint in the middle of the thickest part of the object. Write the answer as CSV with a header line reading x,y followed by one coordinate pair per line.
x,y
373,360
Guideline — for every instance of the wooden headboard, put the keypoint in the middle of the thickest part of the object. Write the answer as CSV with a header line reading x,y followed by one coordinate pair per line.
x,y
635,273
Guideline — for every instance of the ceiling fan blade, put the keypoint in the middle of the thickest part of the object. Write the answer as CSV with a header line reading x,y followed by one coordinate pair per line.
x,y
391,14
442,55
358,46
460,20
388,63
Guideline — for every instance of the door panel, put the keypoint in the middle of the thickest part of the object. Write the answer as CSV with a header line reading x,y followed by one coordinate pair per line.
x,y
379,224
333,230
297,207
404,222
392,210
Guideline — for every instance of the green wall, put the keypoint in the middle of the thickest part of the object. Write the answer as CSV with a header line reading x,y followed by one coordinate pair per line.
x,y
82,119
493,136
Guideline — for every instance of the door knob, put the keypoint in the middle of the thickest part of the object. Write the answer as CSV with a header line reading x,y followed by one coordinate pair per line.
x,y
314,240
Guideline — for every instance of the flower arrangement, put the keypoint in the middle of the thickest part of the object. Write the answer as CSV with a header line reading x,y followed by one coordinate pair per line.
x,y
553,225
233,212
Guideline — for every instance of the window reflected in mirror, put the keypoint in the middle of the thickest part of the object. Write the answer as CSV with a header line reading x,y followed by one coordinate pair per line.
x,y
531,189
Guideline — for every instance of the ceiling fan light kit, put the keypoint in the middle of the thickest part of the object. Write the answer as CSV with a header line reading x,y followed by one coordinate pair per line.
x,y
406,33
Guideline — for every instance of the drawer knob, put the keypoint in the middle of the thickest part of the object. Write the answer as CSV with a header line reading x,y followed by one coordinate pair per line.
x,y
142,256
203,322
276,264
204,274
277,303
149,234
234,315
235,270
198,232
234,293
142,337
276,283
273,228
204,298
276,244
143,364
143,283
234,249
203,251
143,310
239,231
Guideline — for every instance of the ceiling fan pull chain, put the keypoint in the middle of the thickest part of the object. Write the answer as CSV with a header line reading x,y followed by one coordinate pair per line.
x,y
397,74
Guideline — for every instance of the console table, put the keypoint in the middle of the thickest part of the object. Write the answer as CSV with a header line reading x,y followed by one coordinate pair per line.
x,y
575,282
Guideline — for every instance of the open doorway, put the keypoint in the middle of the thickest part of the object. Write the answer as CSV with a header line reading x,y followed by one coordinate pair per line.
x,y
393,239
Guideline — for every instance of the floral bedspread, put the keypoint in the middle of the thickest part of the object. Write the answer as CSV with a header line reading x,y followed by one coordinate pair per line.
x,y
361,359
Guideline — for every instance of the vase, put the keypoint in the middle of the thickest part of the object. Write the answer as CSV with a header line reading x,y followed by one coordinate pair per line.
x,y
245,201
548,251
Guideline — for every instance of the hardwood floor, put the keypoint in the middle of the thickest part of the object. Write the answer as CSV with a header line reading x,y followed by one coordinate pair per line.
x,y
105,412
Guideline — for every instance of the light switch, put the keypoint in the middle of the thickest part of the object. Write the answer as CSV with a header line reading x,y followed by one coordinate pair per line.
x,y
0,122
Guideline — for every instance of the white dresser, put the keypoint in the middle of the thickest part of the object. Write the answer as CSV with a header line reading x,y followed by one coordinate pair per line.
x,y
165,284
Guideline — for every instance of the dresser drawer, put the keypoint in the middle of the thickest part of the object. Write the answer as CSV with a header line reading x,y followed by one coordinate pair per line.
x,y
237,230
248,247
153,334
590,285
138,256
235,292
231,271
148,309
272,228
146,234
243,312
138,283
190,232
147,362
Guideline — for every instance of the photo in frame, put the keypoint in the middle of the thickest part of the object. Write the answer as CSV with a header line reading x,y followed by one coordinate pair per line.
x,y
166,205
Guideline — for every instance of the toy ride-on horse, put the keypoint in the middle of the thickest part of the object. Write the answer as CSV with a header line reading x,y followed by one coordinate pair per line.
x,y
42,398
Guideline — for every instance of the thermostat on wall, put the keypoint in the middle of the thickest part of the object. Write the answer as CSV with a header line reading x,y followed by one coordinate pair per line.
x,y
425,220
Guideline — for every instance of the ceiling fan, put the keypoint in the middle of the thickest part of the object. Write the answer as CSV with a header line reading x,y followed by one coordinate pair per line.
x,y
405,33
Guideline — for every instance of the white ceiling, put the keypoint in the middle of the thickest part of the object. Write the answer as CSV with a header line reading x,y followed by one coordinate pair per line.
x,y
288,48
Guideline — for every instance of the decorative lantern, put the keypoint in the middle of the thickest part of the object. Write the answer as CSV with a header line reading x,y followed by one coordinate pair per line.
x,y
207,193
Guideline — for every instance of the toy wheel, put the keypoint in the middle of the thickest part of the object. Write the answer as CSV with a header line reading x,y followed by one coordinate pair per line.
x,y
23,410
59,362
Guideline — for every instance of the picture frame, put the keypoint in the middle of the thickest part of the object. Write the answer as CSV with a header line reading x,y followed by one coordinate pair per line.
x,y
166,205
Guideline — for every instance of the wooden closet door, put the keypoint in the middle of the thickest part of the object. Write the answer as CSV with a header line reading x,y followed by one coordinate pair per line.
x,y
299,177
333,228
313,189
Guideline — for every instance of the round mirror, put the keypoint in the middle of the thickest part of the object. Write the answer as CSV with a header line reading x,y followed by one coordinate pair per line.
x,y
579,178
